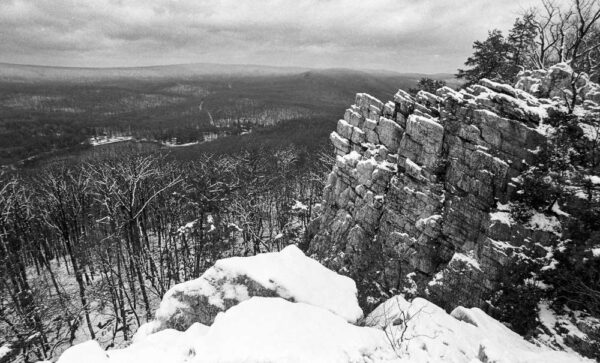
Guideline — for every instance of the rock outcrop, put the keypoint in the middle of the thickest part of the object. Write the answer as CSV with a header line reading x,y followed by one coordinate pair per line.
x,y
288,274
419,198
557,82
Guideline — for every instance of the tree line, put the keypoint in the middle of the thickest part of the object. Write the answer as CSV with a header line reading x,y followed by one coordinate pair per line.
x,y
89,249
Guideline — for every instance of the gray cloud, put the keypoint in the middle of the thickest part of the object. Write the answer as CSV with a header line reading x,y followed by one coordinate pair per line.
x,y
402,35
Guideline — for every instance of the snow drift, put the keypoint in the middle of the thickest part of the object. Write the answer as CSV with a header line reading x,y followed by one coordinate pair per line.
x,y
424,332
311,316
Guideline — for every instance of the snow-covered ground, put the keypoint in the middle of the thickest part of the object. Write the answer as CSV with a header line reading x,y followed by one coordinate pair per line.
x,y
316,327
172,144
206,137
420,331
103,140
102,315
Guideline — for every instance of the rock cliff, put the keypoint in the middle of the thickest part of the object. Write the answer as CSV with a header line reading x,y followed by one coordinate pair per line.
x,y
418,199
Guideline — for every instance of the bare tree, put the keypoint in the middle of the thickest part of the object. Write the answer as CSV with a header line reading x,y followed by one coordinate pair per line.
x,y
65,193
398,323
567,34
552,23
587,14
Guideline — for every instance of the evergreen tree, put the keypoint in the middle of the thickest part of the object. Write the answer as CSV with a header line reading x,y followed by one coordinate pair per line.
x,y
427,84
521,42
489,60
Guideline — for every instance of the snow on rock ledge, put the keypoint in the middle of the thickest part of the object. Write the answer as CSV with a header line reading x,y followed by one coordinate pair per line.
x,y
465,335
276,330
257,330
262,330
288,274
310,322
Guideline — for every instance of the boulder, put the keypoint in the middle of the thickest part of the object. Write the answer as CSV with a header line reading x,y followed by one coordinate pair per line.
x,y
288,274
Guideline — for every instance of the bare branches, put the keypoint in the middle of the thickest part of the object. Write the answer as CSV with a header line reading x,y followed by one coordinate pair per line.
x,y
125,229
398,321
564,32
549,22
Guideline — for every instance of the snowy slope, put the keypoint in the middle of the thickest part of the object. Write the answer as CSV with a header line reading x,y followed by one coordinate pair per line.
x,y
424,332
276,330
317,329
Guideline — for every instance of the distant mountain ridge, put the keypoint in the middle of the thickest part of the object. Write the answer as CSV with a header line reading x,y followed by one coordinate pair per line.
x,y
67,106
10,72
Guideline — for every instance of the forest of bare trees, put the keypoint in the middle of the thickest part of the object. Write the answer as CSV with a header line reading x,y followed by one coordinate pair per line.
x,y
88,250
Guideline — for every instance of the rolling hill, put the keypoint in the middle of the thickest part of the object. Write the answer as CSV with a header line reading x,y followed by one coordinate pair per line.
x,y
52,109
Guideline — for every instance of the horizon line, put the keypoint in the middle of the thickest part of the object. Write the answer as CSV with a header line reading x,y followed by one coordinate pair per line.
x,y
382,70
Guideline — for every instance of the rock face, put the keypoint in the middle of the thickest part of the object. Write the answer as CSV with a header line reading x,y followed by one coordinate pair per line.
x,y
417,198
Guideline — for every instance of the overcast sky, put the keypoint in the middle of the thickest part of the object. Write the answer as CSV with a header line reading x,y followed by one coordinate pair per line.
x,y
401,35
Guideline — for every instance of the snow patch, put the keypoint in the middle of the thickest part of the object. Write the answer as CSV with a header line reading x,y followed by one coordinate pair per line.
x,y
502,217
543,222
545,129
429,221
186,228
299,206
594,179
556,209
502,214
590,132
467,258
173,144
4,351
103,140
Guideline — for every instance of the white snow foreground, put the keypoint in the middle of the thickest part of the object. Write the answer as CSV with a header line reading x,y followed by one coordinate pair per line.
x,y
424,332
313,322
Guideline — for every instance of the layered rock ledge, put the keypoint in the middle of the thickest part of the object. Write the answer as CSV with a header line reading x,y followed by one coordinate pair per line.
x,y
418,200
